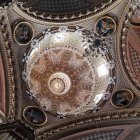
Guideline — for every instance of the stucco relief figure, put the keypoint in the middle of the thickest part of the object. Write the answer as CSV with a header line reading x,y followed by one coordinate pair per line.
x,y
40,65
23,33
122,98
34,115
55,56
106,26
46,103
81,98
36,86
74,62
65,107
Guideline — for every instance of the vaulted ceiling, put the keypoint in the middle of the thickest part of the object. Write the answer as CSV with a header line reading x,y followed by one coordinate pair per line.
x,y
70,69
61,7
62,10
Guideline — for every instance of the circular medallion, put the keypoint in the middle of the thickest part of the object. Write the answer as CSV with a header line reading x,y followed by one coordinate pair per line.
x,y
23,33
106,26
34,115
122,98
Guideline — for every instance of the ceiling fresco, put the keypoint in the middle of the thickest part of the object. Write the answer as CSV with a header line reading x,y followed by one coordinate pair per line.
x,y
69,69
62,77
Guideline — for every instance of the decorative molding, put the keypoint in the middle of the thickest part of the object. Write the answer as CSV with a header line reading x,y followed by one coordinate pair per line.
x,y
39,19
17,130
121,37
10,65
64,18
128,116
96,134
106,134
132,135
42,49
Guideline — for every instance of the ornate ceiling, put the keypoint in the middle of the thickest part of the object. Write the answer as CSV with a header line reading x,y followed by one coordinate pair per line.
x,y
70,70
130,46
59,7
61,77
62,10
5,2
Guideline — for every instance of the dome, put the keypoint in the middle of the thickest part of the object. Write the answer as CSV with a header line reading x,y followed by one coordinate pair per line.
x,y
63,75
69,69
65,10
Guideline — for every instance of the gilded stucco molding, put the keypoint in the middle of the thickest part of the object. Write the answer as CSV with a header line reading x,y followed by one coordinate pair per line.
x,y
17,130
12,91
103,133
128,116
88,16
133,134
121,36
125,129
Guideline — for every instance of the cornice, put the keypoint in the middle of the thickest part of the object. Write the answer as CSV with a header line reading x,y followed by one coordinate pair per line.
x,y
43,20
12,92
67,127
120,36
18,130
133,133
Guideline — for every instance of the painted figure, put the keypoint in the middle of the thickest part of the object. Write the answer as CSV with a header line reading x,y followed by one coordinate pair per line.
x,y
105,26
34,115
23,33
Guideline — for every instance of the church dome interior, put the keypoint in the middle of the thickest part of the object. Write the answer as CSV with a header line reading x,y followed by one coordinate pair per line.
x,y
69,69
